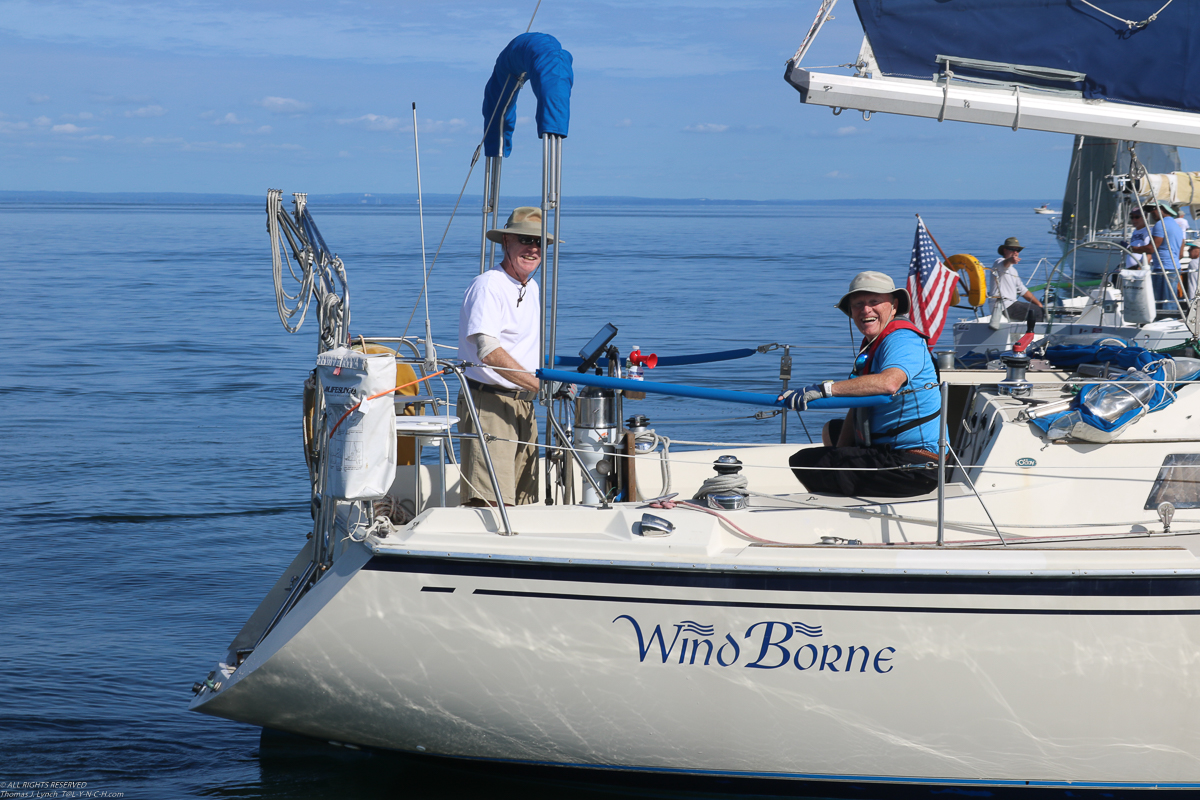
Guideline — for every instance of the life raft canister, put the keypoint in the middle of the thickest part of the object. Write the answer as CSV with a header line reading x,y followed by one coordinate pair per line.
x,y
975,275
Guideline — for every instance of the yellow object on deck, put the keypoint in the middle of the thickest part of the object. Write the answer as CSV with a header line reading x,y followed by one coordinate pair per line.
x,y
975,276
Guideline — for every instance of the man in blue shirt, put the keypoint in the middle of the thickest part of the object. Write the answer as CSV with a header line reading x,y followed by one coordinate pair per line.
x,y
891,439
1166,242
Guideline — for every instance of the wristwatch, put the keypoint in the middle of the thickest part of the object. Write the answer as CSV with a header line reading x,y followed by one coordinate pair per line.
x,y
827,388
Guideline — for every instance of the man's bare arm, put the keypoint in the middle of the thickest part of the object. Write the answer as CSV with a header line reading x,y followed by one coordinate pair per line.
x,y
500,358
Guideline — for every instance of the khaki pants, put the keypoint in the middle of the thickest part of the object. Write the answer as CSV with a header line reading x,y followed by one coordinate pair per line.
x,y
515,464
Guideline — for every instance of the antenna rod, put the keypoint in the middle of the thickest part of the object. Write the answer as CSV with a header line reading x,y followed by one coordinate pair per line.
x,y
430,352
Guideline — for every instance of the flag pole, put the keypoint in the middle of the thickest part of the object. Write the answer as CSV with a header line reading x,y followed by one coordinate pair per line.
x,y
935,244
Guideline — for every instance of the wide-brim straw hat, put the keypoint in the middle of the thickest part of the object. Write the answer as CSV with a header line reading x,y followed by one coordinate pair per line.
x,y
523,221
1011,243
877,283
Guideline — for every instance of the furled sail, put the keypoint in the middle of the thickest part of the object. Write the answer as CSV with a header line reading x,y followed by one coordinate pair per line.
x,y
1109,50
1176,188
1119,69
1089,205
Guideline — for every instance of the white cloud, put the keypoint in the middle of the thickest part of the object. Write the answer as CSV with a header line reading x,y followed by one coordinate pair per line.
x,y
374,122
147,111
284,105
43,121
38,99
230,119
707,127
261,129
849,130
624,123
66,159
68,128
837,174
9,127
343,154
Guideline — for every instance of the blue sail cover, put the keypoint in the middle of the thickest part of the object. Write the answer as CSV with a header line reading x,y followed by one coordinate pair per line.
x,y
547,67
1154,65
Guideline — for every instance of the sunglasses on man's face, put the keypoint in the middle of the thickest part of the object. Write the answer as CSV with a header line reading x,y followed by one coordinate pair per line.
x,y
528,240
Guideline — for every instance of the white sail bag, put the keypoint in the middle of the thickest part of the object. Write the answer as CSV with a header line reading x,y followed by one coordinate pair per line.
x,y
361,454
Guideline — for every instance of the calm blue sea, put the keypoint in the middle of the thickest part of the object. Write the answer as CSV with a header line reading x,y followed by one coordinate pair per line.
x,y
153,481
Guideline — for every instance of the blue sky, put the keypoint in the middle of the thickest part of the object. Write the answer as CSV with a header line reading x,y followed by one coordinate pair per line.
x,y
670,100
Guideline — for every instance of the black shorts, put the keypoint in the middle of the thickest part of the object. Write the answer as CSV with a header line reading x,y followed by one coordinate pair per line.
x,y
860,474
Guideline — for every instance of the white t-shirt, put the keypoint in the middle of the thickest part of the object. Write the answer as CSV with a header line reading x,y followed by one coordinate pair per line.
x,y
1008,282
1139,238
1183,223
496,305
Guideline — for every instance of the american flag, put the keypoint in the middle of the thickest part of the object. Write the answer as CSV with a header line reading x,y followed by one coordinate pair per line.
x,y
930,284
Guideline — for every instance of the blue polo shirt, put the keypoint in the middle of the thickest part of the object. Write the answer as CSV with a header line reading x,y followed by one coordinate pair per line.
x,y
907,351
1167,255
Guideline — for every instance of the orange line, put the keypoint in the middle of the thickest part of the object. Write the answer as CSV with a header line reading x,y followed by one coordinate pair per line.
x,y
354,408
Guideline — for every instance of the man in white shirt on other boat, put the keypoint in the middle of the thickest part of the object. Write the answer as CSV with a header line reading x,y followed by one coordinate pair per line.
x,y
1019,302
498,327
1193,254
1138,239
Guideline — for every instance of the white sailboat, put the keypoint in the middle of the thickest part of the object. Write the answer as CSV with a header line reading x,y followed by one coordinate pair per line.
x,y
1033,625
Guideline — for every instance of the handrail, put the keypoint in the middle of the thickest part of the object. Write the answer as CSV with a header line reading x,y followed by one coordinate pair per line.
x,y
703,392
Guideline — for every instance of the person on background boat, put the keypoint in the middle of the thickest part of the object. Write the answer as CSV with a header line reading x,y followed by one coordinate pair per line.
x,y
1019,302
1138,239
1193,254
498,327
893,360
1166,240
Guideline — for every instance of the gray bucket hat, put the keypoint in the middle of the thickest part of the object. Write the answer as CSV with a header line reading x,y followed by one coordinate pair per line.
x,y
523,221
878,283
1011,243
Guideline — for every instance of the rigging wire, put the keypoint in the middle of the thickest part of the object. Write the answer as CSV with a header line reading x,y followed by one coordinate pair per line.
x,y
1128,22
474,160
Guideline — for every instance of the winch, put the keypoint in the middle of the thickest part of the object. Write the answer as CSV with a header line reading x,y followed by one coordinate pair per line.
x,y
727,489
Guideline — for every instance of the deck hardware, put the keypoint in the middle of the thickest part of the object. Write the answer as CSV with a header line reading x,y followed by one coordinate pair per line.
x,y
652,525
1166,511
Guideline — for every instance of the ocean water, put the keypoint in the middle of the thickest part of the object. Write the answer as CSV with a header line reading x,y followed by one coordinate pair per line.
x,y
153,481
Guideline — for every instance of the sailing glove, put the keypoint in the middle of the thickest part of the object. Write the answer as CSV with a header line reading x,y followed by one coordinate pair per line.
x,y
798,399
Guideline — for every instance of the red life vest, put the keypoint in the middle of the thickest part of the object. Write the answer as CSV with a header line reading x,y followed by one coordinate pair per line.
x,y
895,325
869,349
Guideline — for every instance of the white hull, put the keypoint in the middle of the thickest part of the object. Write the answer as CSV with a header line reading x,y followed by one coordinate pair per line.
x,y
1068,658
965,674
977,337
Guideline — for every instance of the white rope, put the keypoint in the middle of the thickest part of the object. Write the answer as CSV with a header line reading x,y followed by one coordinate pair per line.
x,y
298,302
1128,22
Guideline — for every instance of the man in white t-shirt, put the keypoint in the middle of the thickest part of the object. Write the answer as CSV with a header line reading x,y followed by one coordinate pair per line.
x,y
1138,239
1019,302
498,327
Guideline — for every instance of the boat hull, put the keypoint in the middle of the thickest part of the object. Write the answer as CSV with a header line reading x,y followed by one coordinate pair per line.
x,y
907,679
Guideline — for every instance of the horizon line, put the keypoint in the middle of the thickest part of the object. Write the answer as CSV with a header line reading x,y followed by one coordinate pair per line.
x,y
371,199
